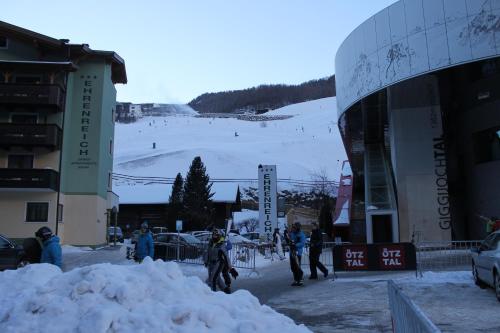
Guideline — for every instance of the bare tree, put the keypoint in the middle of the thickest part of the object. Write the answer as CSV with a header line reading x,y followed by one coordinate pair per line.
x,y
249,224
323,186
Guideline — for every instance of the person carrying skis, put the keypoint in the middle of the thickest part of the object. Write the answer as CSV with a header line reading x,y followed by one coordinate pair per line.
x,y
315,249
144,246
217,262
51,249
277,243
297,242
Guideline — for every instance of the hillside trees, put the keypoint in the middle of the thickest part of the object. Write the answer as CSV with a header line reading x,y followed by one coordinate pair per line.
x,y
197,203
175,201
263,96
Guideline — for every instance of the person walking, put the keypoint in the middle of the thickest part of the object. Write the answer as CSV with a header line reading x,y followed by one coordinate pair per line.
x,y
51,248
277,243
297,242
217,262
315,249
144,246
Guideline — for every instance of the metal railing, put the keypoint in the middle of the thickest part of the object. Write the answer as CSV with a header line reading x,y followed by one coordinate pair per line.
x,y
241,255
444,256
326,256
406,316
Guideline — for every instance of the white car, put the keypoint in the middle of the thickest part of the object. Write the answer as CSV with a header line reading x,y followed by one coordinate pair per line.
x,y
486,263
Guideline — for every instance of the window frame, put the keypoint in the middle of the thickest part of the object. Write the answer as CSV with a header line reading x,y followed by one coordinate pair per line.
x,y
17,154
36,202
6,43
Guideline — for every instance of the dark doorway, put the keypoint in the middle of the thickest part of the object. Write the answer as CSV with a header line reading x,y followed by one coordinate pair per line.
x,y
382,228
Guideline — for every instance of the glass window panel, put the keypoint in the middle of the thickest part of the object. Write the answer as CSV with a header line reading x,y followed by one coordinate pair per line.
x,y
459,41
414,16
433,13
397,21
383,30
482,38
454,9
417,50
37,212
438,47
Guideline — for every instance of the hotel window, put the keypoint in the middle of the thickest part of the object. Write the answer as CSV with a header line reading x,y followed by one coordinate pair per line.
x,y
110,179
60,213
37,211
4,42
487,145
111,146
21,161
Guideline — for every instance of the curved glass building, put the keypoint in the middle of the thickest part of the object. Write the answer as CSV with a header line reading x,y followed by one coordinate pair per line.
x,y
418,93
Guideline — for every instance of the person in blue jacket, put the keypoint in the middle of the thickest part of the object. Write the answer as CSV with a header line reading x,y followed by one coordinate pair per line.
x,y
144,246
51,249
297,240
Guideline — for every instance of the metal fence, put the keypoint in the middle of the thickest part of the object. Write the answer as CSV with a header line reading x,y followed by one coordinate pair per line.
x,y
326,256
444,256
240,256
406,316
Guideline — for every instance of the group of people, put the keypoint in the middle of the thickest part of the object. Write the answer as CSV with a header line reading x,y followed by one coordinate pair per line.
x,y
296,241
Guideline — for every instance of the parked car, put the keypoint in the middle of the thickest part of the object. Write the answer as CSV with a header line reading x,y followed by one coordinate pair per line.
x,y
159,230
166,246
11,254
486,263
254,236
203,236
112,231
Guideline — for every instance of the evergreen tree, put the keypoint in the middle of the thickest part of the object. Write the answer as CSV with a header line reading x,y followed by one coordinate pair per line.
x,y
325,217
197,197
175,201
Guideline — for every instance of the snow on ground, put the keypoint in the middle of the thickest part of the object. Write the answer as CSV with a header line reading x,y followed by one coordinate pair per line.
x,y
150,297
66,249
296,145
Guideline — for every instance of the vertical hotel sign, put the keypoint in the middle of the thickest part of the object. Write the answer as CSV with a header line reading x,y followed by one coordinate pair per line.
x,y
268,219
85,156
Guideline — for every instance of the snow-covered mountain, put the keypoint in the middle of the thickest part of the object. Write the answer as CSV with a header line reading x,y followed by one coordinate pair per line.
x,y
302,145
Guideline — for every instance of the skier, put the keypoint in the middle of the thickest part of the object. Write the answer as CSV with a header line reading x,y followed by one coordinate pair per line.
x,y
315,249
277,243
144,246
217,262
297,242
51,250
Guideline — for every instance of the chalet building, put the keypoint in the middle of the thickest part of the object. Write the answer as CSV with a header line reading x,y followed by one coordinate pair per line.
x,y
57,111
149,203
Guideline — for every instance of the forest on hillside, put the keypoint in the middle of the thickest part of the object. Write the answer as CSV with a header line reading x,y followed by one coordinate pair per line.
x,y
263,97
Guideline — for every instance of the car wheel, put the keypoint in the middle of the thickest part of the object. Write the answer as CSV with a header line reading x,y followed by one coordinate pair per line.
x,y
477,280
496,279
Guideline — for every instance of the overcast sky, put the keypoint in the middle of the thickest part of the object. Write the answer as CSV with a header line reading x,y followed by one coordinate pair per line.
x,y
175,50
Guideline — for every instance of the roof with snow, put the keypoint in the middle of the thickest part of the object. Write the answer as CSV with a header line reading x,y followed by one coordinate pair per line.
x,y
160,193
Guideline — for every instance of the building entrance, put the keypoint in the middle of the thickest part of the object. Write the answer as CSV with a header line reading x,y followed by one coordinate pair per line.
x,y
382,228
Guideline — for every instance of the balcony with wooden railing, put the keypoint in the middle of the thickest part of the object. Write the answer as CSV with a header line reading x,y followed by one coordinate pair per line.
x,y
29,179
42,96
30,135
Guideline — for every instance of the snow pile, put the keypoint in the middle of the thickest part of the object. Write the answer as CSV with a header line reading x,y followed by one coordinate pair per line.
x,y
151,297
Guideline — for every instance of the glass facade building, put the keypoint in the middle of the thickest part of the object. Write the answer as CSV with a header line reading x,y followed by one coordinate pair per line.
x,y
418,93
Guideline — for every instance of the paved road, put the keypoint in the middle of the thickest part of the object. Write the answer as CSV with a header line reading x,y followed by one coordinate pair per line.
x,y
324,305
110,254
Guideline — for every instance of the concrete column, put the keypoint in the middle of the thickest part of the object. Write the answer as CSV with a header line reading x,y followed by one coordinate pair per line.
x,y
418,158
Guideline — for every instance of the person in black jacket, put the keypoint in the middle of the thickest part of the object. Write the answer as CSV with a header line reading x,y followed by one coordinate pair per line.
x,y
315,248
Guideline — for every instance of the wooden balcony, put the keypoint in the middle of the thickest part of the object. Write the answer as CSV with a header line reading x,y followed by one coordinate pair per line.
x,y
40,96
30,135
29,179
